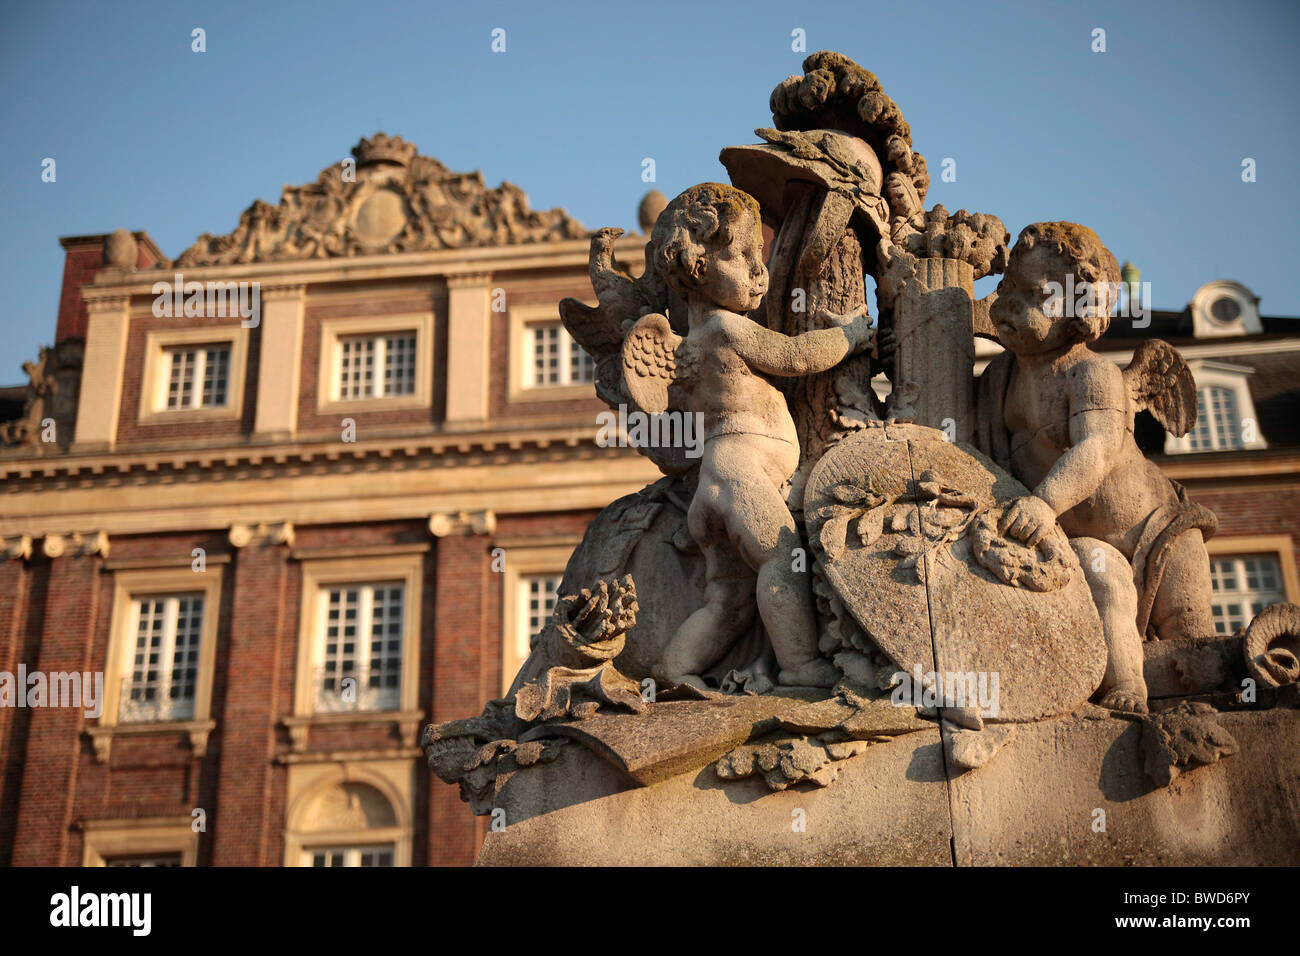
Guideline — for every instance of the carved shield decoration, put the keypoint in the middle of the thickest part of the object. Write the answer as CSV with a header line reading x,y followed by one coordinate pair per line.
x,y
904,525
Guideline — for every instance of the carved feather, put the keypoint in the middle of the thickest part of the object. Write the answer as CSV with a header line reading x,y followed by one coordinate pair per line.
x,y
649,365
1159,380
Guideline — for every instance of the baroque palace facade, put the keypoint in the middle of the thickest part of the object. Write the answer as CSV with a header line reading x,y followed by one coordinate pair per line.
x,y
297,516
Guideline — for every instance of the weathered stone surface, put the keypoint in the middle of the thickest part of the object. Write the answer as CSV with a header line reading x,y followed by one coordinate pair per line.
x,y
394,200
1197,665
901,555
887,807
672,737
1037,802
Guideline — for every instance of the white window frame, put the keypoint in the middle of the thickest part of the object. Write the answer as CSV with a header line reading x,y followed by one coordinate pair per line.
x,y
163,707
333,332
1277,546
128,585
382,699
318,576
202,355
1234,378
1250,602
156,376
523,387
351,854
379,343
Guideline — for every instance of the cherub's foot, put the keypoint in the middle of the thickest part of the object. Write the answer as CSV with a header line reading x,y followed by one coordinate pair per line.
x,y
818,672
1126,697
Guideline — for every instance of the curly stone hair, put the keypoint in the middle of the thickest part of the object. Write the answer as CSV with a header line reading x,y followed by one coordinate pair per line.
x,y
699,221
1092,262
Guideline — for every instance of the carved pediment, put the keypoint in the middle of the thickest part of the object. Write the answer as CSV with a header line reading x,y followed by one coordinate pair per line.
x,y
392,200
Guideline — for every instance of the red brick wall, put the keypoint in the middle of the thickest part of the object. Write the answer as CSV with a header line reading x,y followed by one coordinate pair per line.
x,y
55,745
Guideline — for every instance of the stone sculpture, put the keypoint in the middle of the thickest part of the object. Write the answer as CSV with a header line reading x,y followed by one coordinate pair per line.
x,y
934,606
1060,418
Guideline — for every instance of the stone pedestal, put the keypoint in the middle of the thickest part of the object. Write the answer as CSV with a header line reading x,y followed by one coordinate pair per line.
x,y
1070,791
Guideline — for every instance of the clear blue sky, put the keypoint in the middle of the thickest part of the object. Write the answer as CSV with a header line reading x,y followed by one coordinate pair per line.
x,y
1143,142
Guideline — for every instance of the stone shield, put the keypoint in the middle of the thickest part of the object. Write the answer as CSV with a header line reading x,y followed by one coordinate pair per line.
x,y
904,527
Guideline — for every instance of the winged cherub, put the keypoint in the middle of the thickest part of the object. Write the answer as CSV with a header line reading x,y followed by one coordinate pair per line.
x,y
1060,416
708,246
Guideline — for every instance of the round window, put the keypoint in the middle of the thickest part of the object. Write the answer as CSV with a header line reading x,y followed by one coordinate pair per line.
x,y
1225,309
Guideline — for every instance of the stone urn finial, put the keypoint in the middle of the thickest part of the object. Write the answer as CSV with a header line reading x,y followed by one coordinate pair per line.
x,y
121,250
647,214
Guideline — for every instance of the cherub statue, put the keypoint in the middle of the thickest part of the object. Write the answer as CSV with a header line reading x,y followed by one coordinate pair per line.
x,y
708,247
1060,417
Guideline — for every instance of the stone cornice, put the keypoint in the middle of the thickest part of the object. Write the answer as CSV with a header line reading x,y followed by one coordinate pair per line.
x,y
571,253
512,442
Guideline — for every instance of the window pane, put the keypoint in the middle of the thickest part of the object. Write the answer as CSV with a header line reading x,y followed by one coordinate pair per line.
x,y
546,354
582,367
1243,586
356,367
362,640
399,365
216,374
163,676
180,386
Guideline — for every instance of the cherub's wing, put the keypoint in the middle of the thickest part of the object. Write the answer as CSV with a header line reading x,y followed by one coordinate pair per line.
x,y
592,328
649,365
1159,380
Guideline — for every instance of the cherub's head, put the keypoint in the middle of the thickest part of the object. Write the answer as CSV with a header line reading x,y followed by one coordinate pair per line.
x,y
709,242
1057,290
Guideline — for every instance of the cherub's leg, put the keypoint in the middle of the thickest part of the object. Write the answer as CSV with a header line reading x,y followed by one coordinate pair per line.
x,y
764,531
1115,594
1182,604
727,613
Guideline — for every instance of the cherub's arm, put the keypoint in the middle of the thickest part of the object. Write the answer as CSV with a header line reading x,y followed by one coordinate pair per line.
x,y
1098,429
1098,412
805,354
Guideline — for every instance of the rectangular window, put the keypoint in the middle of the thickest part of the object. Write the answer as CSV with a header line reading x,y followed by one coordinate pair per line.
x,y
554,358
377,855
537,603
376,366
1243,586
164,859
164,665
360,660
198,376
1218,420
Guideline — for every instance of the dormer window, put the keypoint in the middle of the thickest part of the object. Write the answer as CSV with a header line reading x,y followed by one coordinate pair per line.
x,y
1225,411
1223,308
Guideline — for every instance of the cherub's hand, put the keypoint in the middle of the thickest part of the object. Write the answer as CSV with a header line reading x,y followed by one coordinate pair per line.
x,y
1028,519
856,325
